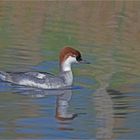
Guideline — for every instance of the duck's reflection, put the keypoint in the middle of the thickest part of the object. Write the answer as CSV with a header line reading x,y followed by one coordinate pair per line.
x,y
62,105
62,101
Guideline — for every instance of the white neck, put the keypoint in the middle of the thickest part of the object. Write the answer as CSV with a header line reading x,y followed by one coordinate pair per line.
x,y
66,65
66,70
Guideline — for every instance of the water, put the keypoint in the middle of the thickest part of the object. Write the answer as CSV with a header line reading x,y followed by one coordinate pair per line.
x,y
105,98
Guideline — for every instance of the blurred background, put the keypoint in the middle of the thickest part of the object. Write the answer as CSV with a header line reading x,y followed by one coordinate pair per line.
x,y
108,35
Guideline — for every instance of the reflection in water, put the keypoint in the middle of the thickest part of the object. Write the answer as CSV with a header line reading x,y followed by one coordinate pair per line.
x,y
21,113
104,111
62,103
13,108
111,106
108,35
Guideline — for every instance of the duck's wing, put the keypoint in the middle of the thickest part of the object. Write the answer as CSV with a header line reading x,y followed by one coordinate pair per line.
x,y
38,75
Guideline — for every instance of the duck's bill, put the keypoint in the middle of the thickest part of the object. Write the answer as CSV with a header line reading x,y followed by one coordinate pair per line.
x,y
84,62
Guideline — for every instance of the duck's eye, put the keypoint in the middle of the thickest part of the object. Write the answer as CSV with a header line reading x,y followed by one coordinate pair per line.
x,y
78,58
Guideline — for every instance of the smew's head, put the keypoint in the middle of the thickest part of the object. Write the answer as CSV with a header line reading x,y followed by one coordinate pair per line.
x,y
68,56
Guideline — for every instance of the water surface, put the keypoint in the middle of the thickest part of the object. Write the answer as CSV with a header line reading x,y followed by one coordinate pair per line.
x,y
107,100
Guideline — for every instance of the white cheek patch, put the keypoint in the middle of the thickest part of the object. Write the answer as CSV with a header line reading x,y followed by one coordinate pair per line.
x,y
40,76
71,59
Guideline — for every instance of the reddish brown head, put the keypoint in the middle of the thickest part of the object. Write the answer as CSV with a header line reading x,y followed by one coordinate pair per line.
x,y
68,56
68,51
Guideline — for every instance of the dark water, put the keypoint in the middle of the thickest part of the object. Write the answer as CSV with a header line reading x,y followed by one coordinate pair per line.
x,y
105,99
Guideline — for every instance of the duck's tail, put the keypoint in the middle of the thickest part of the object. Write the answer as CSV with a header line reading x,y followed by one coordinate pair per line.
x,y
3,76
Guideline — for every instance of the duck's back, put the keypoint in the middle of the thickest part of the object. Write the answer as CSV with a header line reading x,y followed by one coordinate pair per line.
x,y
34,79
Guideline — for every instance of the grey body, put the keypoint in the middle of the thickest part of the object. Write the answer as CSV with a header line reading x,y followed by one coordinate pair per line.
x,y
68,56
38,79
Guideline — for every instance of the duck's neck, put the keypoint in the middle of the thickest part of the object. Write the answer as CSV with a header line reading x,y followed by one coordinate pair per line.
x,y
66,72
65,66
